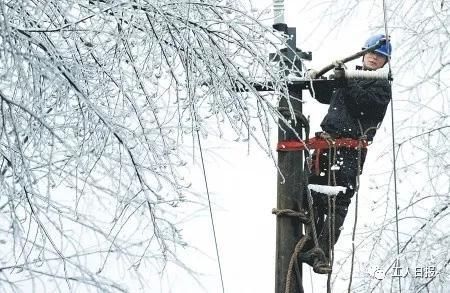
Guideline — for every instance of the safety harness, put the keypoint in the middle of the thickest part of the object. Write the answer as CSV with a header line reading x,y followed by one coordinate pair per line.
x,y
321,141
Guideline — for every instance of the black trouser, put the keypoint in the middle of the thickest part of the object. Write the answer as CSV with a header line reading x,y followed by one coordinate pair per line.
x,y
343,173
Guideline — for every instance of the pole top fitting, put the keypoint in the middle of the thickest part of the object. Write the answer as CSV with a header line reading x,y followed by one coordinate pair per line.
x,y
281,27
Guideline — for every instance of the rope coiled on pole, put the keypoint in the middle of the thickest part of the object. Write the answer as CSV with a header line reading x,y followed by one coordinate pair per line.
x,y
303,216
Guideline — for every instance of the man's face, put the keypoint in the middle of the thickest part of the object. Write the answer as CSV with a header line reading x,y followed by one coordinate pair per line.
x,y
374,60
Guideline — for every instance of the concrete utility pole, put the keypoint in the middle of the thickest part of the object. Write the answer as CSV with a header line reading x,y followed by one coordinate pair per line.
x,y
289,196
289,182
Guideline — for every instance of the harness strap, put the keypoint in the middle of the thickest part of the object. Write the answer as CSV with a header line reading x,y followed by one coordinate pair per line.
x,y
317,162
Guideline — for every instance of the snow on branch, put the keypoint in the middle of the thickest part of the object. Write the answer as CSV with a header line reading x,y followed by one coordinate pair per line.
x,y
99,102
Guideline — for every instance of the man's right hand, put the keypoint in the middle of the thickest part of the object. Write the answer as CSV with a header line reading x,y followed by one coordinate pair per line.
x,y
339,77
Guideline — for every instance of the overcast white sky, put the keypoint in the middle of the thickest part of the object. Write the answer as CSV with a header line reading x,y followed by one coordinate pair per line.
x,y
243,182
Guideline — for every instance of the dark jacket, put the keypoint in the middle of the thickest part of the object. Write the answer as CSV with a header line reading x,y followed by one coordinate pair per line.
x,y
361,104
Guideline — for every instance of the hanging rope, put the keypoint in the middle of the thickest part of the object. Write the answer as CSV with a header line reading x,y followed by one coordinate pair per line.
x,y
324,141
393,145
293,266
356,219
331,144
332,160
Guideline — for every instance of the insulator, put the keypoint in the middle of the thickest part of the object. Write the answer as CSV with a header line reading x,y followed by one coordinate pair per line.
x,y
365,74
278,11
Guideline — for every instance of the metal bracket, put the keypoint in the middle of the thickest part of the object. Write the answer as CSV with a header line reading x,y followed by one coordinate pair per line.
x,y
290,55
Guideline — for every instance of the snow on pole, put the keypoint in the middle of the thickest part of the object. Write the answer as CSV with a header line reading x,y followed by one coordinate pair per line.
x,y
278,11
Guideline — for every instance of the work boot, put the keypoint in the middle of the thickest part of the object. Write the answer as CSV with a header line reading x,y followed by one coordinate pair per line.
x,y
309,256
321,266
316,259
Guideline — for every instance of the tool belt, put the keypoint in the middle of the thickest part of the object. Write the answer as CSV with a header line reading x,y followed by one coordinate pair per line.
x,y
321,141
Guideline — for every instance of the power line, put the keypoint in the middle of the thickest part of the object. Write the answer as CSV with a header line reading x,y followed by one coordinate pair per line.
x,y
393,145
210,211
194,114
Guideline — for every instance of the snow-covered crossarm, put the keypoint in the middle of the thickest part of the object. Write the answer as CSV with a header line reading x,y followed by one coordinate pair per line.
x,y
278,11
326,189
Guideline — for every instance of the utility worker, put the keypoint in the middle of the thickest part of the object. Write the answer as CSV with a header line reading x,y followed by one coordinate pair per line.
x,y
356,110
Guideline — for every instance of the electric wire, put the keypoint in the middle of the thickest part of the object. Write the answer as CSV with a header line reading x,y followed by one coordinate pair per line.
x,y
210,211
204,168
393,145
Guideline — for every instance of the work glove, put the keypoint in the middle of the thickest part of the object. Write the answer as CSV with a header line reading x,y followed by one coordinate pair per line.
x,y
339,77
311,74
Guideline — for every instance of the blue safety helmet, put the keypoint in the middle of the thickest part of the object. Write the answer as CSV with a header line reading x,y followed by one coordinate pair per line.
x,y
385,49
